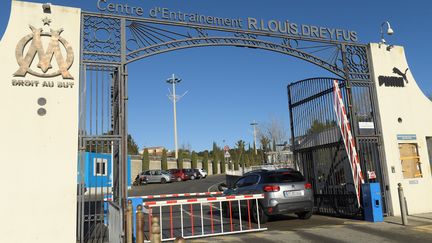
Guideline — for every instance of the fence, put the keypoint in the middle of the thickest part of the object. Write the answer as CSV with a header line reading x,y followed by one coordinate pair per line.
x,y
202,217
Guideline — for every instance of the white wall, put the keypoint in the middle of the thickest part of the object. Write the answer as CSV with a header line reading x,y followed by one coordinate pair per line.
x,y
415,109
38,153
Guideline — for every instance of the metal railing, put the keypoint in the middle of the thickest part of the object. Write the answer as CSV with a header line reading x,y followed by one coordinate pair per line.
x,y
201,217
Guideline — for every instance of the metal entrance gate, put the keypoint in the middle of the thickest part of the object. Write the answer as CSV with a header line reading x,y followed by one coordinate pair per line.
x,y
101,171
109,42
318,146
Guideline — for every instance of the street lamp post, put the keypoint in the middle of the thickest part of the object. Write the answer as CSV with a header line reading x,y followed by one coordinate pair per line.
x,y
254,124
174,98
389,32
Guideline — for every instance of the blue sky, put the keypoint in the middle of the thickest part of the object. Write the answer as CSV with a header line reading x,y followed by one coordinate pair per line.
x,y
229,87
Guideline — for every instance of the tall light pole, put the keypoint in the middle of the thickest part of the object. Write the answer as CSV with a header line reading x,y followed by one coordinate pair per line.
x,y
174,98
254,124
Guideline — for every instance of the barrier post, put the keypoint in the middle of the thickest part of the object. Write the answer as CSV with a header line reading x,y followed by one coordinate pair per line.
x,y
139,225
129,210
402,205
155,237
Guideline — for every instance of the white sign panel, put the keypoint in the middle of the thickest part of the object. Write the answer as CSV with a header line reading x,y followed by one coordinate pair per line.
x,y
366,125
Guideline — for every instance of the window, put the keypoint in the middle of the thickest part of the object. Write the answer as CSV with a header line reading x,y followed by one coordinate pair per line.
x,y
240,182
100,166
251,180
284,177
410,160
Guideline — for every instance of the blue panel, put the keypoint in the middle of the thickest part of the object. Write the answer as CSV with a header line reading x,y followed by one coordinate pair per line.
x,y
372,203
406,137
93,180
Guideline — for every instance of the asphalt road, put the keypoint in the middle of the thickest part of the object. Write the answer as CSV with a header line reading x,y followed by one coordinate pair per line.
x,y
288,228
197,185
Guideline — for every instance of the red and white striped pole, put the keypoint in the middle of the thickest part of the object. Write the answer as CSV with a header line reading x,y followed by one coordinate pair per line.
x,y
348,139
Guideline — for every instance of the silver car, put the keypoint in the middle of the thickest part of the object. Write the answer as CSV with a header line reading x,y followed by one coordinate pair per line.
x,y
285,191
157,176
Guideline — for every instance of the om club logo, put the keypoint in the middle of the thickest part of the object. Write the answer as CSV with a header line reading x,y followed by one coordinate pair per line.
x,y
45,57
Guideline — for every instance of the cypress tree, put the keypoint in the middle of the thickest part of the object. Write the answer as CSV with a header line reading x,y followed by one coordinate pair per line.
x,y
205,161
215,166
222,165
180,161
194,163
145,160
164,160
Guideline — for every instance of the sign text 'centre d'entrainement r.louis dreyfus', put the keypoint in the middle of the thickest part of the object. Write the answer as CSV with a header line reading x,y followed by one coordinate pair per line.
x,y
253,24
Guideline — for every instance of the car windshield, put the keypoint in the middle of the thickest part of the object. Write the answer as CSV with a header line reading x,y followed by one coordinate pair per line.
x,y
283,177
165,172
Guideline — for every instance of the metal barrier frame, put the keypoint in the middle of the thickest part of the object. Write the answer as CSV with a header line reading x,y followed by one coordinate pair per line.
x,y
169,203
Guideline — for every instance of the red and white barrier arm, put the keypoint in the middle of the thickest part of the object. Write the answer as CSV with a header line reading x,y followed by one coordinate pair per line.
x,y
348,139
203,200
192,194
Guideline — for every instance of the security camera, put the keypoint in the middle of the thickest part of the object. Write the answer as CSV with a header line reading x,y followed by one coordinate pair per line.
x,y
46,7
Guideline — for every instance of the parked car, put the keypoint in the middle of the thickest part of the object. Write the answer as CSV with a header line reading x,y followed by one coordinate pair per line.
x,y
285,191
140,179
203,173
191,173
179,174
157,176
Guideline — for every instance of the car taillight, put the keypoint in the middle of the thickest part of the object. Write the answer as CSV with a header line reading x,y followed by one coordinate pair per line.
x,y
271,188
308,186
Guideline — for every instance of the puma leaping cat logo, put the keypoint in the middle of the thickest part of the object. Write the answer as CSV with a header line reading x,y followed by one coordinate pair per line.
x,y
399,72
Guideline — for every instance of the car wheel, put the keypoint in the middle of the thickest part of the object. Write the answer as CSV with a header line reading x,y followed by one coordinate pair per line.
x,y
163,180
192,177
304,215
179,179
263,218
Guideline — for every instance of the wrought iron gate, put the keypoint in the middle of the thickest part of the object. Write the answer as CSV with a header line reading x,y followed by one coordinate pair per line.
x,y
110,42
318,145
102,173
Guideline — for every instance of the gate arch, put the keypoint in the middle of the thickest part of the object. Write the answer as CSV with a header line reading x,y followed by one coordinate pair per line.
x,y
110,42
127,39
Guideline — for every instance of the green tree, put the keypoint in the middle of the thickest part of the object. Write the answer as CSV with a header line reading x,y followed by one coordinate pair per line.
x,y
194,162
145,160
180,161
164,160
132,146
233,158
247,160
215,160
215,166
318,126
205,160
264,143
222,165
240,151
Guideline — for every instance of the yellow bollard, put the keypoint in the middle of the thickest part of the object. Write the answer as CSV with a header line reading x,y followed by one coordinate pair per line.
x,y
155,237
129,222
139,225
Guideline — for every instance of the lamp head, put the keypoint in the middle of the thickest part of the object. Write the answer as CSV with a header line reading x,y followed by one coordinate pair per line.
x,y
390,31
